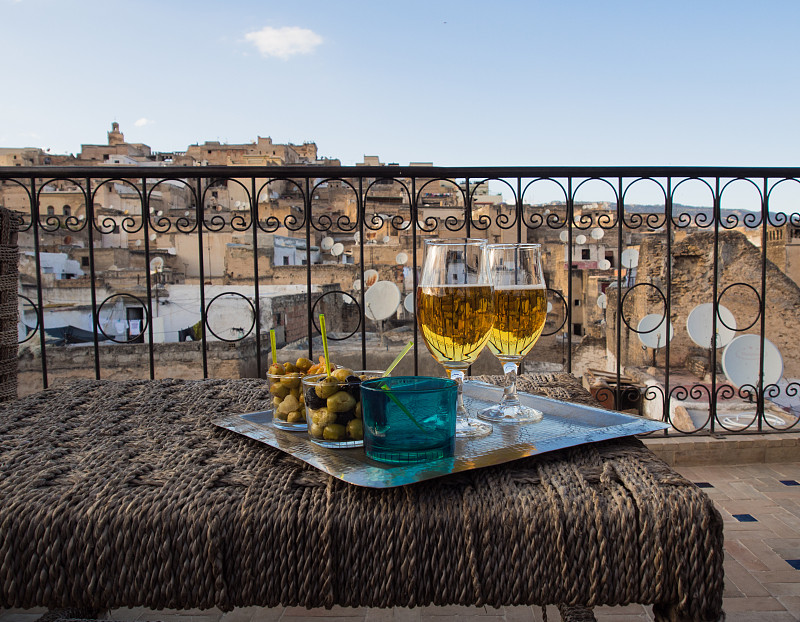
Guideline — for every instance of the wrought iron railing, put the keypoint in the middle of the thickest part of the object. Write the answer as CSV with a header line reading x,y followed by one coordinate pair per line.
x,y
641,207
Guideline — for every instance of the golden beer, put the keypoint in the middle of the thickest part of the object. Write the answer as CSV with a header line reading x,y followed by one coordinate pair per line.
x,y
519,315
455,321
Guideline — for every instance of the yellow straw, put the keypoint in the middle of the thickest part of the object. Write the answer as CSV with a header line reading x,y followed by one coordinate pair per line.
x,y
274,348
398,359
325,344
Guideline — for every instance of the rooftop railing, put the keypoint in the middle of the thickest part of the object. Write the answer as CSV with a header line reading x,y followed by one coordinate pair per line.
x,y
619,317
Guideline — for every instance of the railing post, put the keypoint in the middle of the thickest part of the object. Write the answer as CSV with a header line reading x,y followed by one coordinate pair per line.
x,y
39,295
310,320
257,301
668,309
760,413
148,277
199,218
93,289
570,216
414,276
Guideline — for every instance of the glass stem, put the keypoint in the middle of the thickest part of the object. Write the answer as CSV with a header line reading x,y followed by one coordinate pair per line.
x,y
458,376
510,398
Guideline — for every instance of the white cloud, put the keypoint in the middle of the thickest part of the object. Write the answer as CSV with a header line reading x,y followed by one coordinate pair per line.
x,y
143,121
284,42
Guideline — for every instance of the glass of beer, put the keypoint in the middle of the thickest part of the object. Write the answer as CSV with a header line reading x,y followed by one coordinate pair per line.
x,y
520,309
454,313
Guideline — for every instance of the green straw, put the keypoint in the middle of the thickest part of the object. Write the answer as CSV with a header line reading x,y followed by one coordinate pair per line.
x,y
398,359
400,405
274,348
325,344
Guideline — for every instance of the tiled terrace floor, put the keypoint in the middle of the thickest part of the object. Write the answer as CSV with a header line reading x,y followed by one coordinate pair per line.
x,y
760,504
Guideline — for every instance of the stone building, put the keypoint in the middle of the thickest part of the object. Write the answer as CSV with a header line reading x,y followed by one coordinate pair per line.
x,y
739,283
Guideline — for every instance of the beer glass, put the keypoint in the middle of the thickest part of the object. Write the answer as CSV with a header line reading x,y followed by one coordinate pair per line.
x,y
454,314
520,309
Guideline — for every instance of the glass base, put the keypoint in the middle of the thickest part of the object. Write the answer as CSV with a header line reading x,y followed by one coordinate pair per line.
x,y
511,413
337,444
472,428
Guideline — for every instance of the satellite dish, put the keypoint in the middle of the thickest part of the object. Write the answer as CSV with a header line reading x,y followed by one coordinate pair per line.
x,y
580,240
337,249
653,331
549,307
156,264
408,303
138,242
602,301
381,301
153,237
699,324
326,244
630,258
186,213
387,239
563,236
159,213
370,278
598,233
237,204
740,361
357,237
604,264
357,285
401,258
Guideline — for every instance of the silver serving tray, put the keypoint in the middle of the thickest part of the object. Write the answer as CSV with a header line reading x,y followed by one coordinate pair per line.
x,y
564,425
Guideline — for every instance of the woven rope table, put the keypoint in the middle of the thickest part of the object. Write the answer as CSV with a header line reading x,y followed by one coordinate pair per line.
x,y
116,494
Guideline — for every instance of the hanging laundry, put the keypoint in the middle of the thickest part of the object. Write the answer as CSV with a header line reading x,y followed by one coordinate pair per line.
x,y
135,327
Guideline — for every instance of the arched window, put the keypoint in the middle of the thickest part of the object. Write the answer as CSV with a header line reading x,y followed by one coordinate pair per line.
x,y
67,210
51,211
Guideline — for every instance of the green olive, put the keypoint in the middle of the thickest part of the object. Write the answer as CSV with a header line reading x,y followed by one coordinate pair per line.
x,y
279,390
327,417
358,410
303,364
289,367
288,404
276,370
355,429
276,401
291,379
334,432
279,415
296,417
341,402
342,373
316,430
326,387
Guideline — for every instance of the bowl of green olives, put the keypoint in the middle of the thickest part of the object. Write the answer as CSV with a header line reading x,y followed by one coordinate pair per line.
x,y
333,407
288,410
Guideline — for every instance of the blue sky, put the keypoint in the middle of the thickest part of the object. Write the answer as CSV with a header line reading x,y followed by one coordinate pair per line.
x,y
455,83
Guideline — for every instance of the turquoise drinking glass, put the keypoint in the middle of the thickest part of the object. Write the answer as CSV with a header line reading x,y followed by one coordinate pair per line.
x,y
409,419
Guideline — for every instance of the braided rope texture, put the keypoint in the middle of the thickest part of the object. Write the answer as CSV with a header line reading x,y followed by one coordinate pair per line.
x,y
123,493
9,274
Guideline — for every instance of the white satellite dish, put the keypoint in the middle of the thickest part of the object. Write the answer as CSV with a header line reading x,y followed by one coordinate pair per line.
x,y
326,244
186,213
387,239
630,258
602,301
408,303
138,243
604,264
699,324
357,237
337,249
156,264
237,204
549,307
653,331
580,240
401,259
598,233
370,278
159,213
357,285
740,361
563,236
153,237
381,301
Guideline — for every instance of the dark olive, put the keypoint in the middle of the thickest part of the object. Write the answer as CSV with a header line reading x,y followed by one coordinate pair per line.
x,y
345,417
314,401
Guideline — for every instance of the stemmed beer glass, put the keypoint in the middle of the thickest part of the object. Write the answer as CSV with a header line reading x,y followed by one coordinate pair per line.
x,y
520,310
455,314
